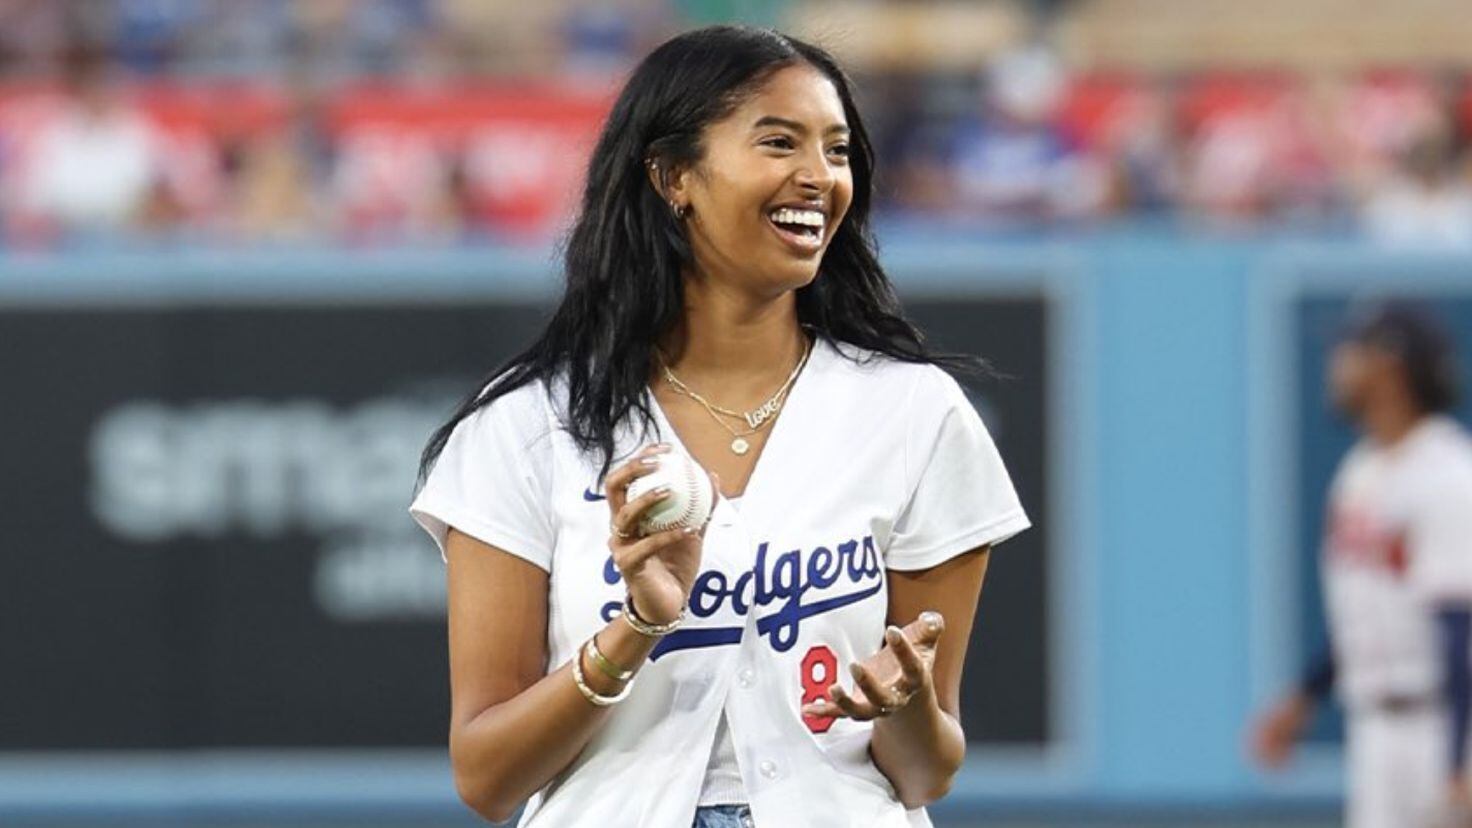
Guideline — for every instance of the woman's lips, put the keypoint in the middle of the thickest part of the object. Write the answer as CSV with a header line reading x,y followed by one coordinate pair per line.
x,y
799,243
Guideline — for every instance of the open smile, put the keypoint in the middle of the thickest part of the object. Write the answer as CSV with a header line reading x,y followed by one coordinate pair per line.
x,y
800,230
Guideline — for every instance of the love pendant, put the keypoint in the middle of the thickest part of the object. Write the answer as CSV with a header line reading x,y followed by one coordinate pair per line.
x,y
766,410
740,446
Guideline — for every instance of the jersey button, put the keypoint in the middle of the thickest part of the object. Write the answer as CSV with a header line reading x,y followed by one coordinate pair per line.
x,y
768,768
746,678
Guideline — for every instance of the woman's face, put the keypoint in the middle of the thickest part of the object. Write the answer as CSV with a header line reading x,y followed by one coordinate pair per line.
x,y
773,185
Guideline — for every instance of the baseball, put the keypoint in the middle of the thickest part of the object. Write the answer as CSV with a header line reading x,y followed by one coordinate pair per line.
x,y
691,494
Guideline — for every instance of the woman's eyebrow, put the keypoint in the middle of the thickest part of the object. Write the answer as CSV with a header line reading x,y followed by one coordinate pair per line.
x,y
795,126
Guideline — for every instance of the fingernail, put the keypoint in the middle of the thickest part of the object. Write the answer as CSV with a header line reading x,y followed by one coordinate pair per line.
x,y
691,530
661,491
662,446
893,633
856,670
649,461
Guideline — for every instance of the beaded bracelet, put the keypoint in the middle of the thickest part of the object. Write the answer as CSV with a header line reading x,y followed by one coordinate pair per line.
x,y
602,662
645,628
589,693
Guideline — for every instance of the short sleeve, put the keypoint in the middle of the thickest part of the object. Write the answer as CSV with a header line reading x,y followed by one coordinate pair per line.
x,y
1440,540
491,481
960,496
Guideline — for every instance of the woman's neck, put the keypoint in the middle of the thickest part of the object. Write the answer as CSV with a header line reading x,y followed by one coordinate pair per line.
x,y
734,338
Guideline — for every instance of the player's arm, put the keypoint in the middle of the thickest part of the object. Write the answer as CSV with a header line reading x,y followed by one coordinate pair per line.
x,y
1318,680
512,729
921,747
1454,622
1442,565
1278,729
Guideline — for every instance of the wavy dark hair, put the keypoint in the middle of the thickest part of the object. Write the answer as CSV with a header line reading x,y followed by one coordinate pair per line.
x,y
626,252
1410,332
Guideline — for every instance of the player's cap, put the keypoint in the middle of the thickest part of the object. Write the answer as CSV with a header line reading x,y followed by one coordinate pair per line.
x,y
1412,333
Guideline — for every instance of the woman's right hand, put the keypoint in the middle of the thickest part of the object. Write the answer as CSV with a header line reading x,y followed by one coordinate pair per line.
x,y
659,570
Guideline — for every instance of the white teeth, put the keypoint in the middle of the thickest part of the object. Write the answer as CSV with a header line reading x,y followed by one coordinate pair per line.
x,y
787,215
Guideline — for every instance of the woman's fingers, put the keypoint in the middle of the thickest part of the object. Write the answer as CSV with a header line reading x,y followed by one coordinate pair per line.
x,y
644,461
927,629
912,648
626,519
912,664
822,709
861,711
883,699
630,556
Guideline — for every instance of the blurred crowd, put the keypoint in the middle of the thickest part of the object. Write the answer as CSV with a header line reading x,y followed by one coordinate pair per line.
x,y
1382,152
264,121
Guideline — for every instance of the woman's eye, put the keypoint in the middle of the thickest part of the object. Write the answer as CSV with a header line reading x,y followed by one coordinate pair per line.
x,y
779,142
839,149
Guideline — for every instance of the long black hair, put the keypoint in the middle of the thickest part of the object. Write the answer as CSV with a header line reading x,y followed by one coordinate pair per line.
x,y
626,252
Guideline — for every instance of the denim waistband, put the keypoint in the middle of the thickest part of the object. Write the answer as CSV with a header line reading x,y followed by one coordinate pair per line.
x,y
722,816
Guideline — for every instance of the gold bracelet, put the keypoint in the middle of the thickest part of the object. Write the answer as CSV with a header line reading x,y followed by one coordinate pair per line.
x,y
589,693
601,661
645,628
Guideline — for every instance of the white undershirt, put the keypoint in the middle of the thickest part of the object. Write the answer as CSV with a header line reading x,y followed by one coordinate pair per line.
x,y
722,784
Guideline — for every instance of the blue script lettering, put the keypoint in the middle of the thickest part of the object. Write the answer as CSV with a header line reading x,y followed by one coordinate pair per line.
x,y
706,589
784,583
818,563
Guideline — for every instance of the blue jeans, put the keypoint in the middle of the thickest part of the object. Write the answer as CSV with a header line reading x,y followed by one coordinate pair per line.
x,y
722,816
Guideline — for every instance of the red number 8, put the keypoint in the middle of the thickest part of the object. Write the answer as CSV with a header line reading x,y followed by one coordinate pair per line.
x,y
819,672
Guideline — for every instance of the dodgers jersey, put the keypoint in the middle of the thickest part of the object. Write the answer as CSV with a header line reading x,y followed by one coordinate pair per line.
x,y
1398,542
870,467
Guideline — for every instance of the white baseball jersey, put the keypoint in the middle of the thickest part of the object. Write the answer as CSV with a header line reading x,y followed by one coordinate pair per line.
x,y
1398,541
870,467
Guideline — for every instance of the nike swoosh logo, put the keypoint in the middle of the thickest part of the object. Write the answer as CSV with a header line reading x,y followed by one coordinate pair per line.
x,y
592,496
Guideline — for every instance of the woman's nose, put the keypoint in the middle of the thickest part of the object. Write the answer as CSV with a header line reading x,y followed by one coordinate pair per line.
x,y
816,175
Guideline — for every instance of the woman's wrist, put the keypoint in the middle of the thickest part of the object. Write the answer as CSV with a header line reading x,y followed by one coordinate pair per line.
x,y
918,748
600,683
644,625
600,690
606,665
623,648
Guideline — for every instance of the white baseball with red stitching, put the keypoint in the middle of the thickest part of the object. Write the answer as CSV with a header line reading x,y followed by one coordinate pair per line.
x,y
691,495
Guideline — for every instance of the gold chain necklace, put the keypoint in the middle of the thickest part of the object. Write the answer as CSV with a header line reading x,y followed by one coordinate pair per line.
x,y
739,445
756,418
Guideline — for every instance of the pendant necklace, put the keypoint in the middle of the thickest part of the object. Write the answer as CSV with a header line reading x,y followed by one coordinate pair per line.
x,y
754,419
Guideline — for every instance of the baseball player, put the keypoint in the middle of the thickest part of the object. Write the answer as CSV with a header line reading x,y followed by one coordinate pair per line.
x,y
1397,573
796,661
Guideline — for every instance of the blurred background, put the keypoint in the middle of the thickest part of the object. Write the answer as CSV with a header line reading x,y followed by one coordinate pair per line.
x,y
252,251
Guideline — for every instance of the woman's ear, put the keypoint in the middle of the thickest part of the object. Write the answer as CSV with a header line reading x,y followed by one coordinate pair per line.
x,y
669,183
656,175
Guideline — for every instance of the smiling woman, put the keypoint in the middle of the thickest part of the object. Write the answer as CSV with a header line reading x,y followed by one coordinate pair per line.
x,y
723,298
778,165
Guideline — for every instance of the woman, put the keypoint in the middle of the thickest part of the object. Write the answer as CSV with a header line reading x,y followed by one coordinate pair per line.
x,y
620,680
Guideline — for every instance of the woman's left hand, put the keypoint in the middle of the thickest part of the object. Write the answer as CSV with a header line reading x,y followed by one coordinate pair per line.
x,y
886,682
